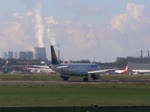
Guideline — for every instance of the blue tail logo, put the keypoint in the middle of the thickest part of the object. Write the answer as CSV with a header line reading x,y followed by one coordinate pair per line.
x,y
53,56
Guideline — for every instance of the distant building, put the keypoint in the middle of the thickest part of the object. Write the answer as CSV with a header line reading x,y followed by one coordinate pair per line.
x,y
5,56
15,55
39,53
29,55
138,63
22,55
10,55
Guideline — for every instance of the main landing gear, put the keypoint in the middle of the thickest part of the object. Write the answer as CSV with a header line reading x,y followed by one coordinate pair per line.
x,y
85,79
64,78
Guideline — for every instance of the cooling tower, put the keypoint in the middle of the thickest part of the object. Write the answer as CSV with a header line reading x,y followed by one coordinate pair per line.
x,y
39,53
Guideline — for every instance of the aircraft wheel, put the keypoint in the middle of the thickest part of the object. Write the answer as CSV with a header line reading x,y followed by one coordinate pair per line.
x,y
85,79
66,78
94,79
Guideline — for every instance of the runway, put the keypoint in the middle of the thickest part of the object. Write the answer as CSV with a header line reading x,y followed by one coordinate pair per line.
x,y
44,83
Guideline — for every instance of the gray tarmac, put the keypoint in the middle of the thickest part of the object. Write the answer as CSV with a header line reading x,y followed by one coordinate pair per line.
x,y
42,83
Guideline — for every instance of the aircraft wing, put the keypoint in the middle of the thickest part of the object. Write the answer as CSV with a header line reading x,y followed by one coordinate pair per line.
x,y
101,71
62,66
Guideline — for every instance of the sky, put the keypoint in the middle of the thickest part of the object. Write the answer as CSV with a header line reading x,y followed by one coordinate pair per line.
x,y
99,30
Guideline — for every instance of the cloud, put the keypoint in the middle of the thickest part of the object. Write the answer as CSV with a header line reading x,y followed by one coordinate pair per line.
x,y
129,20
21,16
130,29
50,20
19,32
120,22
135,10
80,39
92,10
81,35
16,31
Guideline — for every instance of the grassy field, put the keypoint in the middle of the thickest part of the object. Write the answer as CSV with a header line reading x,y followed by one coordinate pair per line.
x,y
75,95
57,77
112,94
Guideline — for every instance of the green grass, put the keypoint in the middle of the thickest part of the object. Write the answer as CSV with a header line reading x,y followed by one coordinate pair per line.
x,y
125,77
34,77
105,94
57,77
76,95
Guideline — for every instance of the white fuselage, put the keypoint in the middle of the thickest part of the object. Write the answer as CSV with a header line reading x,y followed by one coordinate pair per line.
x,y
125,71
40,69
119,71
75,69
140,71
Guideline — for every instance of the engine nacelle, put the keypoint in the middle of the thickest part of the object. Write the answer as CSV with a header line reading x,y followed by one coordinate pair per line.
x,y
95,76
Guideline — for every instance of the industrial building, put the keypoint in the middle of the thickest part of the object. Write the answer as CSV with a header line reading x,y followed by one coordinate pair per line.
x,y
5,55
23,55
29,55
39,53
8,55
139,62
26,55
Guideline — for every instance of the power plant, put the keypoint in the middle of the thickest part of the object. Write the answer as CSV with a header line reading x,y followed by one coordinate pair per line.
x,y
39,53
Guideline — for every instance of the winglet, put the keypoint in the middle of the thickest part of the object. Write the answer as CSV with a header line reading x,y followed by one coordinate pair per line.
x,y
53,56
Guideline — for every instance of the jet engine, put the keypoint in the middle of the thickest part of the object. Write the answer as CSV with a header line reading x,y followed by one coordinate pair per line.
x,y
95,76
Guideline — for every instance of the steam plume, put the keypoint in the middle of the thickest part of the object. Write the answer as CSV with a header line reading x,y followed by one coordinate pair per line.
x,y
51,34
39,24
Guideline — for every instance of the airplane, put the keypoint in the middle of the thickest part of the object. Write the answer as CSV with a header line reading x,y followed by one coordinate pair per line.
x,y
136,71
40,69
41,66
75,69
125,71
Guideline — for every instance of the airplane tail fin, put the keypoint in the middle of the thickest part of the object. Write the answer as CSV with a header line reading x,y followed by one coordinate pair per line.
x,y
53,56
126,69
